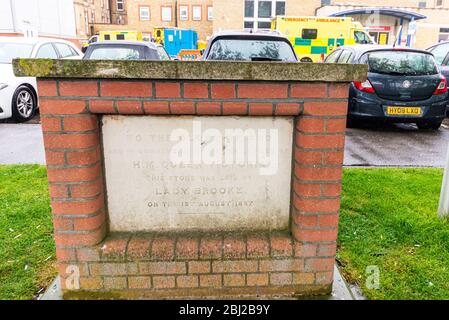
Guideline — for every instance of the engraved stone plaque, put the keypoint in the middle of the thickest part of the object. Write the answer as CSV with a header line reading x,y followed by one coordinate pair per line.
x,y
197,173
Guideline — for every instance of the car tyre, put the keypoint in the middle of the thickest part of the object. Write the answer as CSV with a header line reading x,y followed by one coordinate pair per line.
x,y
306,60
430,125
352,123
24,104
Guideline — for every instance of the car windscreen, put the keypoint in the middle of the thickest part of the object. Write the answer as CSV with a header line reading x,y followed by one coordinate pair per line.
x,y
9,51
399,62
119,52
162,53
251,49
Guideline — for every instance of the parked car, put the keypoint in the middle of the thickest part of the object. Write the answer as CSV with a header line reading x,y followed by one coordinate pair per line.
x,y
123,50
163,54
250,46
404,85
441,53
18,95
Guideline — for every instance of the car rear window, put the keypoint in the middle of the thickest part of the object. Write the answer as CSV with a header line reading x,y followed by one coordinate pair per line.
x,y
401,63
109,52
9,51
251,49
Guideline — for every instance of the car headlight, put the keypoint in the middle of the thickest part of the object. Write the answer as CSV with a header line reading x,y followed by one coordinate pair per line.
x,y
3,86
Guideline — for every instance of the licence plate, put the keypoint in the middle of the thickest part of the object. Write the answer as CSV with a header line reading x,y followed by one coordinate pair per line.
x,y
408,111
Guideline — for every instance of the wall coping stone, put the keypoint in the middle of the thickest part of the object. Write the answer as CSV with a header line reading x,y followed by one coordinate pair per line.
x,y
190,70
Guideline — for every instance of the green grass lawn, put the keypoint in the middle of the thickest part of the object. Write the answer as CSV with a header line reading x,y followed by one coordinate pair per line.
x,y
389,219
26,246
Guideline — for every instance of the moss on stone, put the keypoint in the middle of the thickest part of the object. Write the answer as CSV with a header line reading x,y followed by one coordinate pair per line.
x,y
190,70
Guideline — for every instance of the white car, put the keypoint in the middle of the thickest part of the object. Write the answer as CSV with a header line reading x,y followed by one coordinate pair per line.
x,y
18,95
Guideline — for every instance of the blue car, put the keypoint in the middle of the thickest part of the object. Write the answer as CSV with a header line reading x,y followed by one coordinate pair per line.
x,y
404,85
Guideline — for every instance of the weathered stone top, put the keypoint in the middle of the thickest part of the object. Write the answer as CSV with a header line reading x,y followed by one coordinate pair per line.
x,y
190,70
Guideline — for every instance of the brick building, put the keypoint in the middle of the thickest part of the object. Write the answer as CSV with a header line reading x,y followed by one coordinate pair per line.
x,y
89,12
119,11
209,16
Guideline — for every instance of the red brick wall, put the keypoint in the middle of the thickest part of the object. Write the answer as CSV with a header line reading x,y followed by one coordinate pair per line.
x,y
299,260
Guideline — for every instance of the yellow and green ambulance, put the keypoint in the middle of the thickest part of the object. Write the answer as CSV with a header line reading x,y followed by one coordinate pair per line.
x,y
313,38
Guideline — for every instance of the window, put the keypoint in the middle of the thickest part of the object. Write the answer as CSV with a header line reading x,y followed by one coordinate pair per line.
x,y
74,53
47,52
115,53
345,56
422,4
64,50
248,25
210,13
264,9
333,56
9,51
166,14
439,3
280,8
196,13
144,13
444,34
120,37
120,5
258,13
361,38
183,13
263,25
440,52
401,63
251,50
249,9
309,33
163,55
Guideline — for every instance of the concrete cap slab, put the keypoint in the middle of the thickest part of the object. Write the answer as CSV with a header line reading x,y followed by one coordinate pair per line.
x,y
190,70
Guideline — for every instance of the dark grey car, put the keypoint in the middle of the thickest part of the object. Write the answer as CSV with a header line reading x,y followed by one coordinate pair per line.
x,y
404,85
250,46
441,53
122,50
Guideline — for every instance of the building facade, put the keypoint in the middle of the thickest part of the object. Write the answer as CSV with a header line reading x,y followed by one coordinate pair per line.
x,y
49,18
418,23
424,23
88,13
145,15
119,11
430,18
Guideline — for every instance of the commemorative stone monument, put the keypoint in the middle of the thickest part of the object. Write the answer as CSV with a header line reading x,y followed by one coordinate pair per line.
x,y
193,179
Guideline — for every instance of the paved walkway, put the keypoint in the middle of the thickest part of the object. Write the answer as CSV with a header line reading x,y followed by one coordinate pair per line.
x,y
21,144
398,145
390,145
340,291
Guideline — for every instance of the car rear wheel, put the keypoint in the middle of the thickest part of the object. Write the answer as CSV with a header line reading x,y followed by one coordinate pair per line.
x,y
306,60
430,125
352,123
24,104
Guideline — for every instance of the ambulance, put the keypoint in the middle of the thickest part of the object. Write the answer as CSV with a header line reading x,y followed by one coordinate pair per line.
x,y
313,38
113,35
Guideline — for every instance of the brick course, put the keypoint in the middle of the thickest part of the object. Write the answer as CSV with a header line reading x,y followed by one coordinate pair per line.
x,y
299,260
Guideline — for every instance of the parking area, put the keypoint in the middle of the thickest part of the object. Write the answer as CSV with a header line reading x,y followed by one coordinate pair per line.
x,y
395,145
